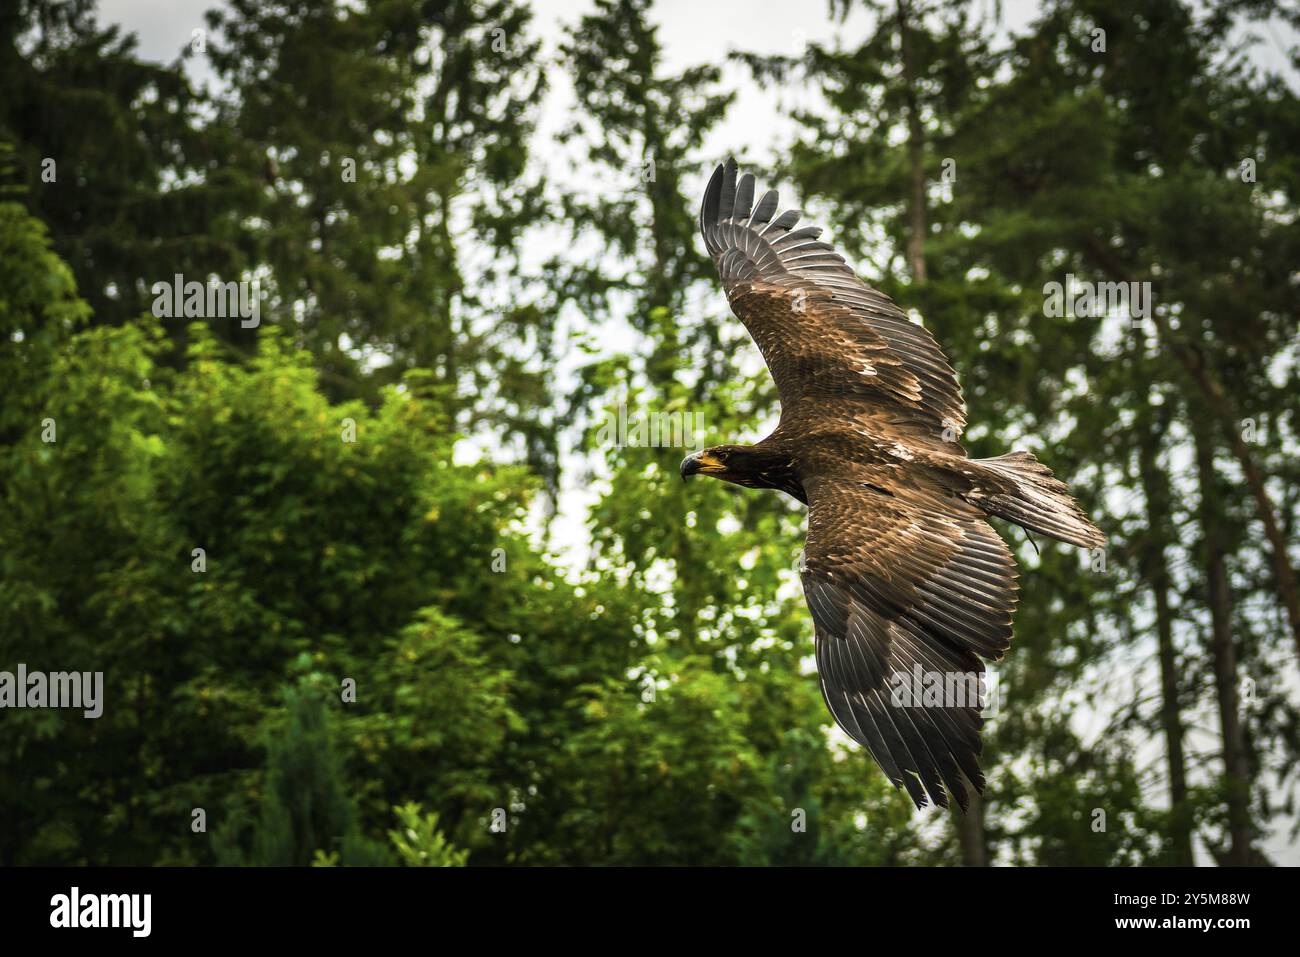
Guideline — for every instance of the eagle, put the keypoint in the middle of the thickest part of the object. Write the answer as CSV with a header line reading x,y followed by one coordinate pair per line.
x,y
909,586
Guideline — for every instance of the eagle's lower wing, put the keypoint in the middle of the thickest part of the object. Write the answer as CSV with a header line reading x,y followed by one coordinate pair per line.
x,y
907,588
821,330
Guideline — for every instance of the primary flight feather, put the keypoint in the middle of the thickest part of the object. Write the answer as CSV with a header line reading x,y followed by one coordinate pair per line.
x,y
909,586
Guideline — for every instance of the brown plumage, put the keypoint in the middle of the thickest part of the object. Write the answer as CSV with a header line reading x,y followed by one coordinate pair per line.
x,y
904,576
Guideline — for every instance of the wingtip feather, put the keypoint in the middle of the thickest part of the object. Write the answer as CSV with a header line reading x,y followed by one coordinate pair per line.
x,y
727,195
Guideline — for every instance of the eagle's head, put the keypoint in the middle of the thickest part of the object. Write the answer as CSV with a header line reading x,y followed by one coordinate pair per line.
x,y
715,461
747,465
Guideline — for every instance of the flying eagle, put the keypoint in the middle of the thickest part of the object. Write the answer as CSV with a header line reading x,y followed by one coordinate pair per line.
x,y
908,584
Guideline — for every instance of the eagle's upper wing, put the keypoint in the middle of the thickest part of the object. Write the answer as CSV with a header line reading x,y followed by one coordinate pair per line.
x,y
821,330
905,583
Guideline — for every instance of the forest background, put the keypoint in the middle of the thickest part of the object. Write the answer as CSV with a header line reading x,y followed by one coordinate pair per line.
x,y
373,581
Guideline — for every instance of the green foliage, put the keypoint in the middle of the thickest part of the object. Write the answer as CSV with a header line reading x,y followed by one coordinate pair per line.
x,y
307,813
418,841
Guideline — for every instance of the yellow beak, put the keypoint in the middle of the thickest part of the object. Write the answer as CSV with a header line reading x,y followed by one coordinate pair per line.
x,y
701,462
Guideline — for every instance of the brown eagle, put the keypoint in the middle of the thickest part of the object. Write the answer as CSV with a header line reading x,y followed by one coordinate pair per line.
x,y
908,584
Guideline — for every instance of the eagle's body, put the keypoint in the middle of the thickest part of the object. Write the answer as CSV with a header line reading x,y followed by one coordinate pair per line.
x,y
903,574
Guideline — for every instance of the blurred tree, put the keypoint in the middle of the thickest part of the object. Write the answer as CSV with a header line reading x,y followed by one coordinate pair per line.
x,y
308,812
1003,215
367,130
1158,91
872,153
711,571
113,157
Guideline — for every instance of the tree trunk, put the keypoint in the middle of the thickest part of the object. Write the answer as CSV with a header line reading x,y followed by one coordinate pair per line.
x,y
971,837
1236,769
915,150
1155,570
1224,410
970,832
1221,407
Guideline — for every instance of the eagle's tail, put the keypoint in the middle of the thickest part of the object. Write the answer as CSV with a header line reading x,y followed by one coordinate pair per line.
x,y
1036,500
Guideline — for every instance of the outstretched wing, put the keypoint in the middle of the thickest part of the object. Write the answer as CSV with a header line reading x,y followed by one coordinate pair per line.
x,y
908,589
822,332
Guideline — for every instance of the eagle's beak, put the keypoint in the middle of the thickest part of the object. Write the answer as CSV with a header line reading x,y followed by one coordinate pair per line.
x,y
700,462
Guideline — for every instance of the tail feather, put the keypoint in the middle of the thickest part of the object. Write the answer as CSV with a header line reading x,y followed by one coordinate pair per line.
x,y
1036,500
